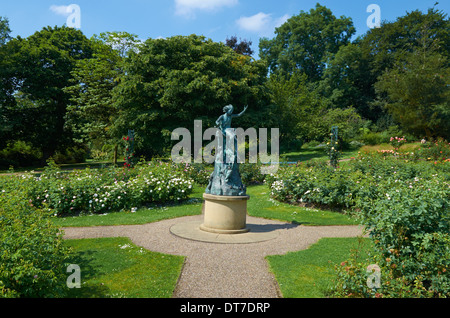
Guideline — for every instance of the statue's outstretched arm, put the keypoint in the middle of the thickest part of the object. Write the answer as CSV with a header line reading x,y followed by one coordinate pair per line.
x,y
241,113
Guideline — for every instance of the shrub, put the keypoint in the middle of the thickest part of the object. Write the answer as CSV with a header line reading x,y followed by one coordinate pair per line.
x,y
198,172
372,138
406,207
251,173
410,226
438,150
354,144
130,156
311,144
333,149
19,153
103,190
320,184
33,257
75,154
397,142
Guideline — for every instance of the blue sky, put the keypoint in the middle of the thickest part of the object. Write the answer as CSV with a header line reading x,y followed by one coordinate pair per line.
x,y
215,19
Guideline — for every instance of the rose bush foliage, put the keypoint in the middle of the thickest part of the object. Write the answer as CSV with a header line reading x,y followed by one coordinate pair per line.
x,y
405,207
33,258
101,190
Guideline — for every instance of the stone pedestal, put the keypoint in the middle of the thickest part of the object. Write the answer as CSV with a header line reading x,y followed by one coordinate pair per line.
x,y
225,214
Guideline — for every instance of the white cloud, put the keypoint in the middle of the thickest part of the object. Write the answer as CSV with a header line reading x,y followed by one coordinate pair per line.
x,y
188,7
72,12
281,20
261,23
61,10
255,23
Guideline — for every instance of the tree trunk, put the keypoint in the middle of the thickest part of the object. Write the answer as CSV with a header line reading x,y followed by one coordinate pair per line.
x,y
115,155
46,154
428,133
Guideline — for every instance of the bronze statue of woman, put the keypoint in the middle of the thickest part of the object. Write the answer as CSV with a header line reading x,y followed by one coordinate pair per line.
x,y
224,121
226,179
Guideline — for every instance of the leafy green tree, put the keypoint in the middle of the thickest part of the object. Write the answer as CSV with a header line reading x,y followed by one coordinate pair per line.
x,y
346,82
91,112
296,108
4,30
5,81
347,120
243,47
350,75
382,48
171,82
39,67
416,90
303,114
304,42
386,45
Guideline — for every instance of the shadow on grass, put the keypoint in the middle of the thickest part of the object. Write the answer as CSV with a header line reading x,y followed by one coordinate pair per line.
x,y
89,271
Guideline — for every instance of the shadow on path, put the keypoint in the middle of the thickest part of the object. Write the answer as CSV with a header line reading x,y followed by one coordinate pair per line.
x,y
262,228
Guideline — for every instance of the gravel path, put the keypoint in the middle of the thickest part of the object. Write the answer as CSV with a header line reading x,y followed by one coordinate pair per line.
x,y
220,270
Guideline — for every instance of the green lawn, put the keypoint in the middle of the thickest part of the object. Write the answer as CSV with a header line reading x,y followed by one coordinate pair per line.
x,y
409,147
261,205
313,154
93,164
310,273
115,267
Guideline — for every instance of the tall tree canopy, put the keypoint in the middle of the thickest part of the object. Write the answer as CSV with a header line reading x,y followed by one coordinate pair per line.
x,y
345,82
91,112
343,74
304,42
59,89
387,44
38,69
416,90
243,47
4,30
5,81
391,45
171,82
296,108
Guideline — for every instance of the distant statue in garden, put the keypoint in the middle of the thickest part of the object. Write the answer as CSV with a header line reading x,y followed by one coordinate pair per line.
x,y
334,147
226,179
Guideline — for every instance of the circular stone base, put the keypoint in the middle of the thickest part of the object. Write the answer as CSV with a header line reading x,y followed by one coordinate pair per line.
x,y
218,231
224,214
192,231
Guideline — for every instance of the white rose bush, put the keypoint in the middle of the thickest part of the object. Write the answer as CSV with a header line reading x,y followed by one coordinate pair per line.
x,y
104,190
